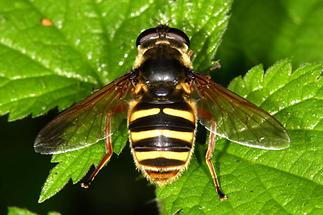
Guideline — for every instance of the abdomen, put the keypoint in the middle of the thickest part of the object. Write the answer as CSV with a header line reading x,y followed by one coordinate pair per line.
x,y
162,138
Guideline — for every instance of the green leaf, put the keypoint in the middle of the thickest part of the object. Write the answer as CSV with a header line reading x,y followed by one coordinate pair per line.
x,y
19,211
266,31
74,165
22,211
89,44
54,213
260,181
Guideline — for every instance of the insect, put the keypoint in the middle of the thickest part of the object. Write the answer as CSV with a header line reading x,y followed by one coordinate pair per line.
x,y
162,99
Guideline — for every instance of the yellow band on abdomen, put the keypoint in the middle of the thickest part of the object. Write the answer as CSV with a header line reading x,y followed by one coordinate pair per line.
x,y
140,135
180,113
143,113
182,156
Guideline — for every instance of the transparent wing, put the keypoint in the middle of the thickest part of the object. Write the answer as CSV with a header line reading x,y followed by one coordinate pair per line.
x,y
84,123
237,119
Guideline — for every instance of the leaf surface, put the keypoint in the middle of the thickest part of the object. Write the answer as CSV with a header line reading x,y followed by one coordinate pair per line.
x,y
260,181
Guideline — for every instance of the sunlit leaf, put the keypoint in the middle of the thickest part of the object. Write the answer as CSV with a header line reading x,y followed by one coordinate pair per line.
x,y
259,181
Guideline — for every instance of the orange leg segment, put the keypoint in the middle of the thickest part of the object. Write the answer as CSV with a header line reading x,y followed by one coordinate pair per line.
x,y
208,158
106,158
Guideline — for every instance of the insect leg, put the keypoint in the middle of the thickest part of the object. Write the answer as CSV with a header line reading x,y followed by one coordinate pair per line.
x,y
107,156
208,158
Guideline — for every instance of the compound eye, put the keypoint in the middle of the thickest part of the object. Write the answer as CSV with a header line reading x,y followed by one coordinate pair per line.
x,y
163,31
178,35
146,35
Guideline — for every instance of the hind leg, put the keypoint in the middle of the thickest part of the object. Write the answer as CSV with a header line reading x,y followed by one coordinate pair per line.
x,y
208,158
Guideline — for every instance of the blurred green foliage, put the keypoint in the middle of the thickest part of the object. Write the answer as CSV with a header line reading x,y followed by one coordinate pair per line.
x,y
263,32
23,211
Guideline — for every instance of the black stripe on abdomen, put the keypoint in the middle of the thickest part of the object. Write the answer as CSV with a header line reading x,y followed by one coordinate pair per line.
x,y
178,105
161,121
161,143
161,162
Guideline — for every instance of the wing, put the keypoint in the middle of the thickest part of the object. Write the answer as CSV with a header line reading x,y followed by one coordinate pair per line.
x,y
237,119
84,123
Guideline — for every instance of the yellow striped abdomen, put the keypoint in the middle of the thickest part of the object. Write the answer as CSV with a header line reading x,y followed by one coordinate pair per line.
x,y
162,138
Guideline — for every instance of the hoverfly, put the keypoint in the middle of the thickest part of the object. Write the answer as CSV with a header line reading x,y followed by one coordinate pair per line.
x,y
162,98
